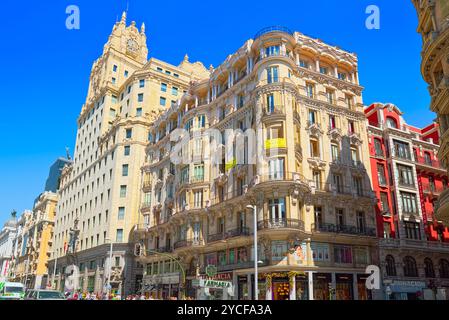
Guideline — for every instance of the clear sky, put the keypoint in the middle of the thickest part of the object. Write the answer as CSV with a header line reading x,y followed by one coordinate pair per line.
x,y
46,67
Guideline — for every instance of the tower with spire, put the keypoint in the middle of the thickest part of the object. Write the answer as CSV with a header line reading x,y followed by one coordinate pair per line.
x,y
125,52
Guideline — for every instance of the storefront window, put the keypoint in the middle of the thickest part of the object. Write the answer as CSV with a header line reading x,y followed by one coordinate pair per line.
x,y
243,288
222,258
321,286
344,288
278,250
302,288
242,255
232,256
281,289
211,259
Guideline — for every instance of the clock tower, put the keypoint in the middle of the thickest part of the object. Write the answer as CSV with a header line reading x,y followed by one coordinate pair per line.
x,y
125,52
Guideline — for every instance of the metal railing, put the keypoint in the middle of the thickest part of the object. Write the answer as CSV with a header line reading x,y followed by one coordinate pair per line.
x,y
272,29
353,230
239,232
281,224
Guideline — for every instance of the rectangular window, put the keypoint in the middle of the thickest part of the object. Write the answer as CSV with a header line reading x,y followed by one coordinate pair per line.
x,y
314,149
342,76
174,91
381,174
121,213
276,208
406,177
276,169
142,83
114,68
324,70
140,97
343,254
163,87
317,180
338,182
303,64
123,191
385,207
138,112
125,169
126,73
127,150
330,96
335,152
402,150
119,236
129,133
273,74
272,51
409,203
163,101
198,199
310,89
412,230
114,80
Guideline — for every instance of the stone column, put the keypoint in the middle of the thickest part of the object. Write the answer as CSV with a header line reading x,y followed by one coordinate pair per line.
x,y
355,287
317,65
334,286
292,283
310,283
336,71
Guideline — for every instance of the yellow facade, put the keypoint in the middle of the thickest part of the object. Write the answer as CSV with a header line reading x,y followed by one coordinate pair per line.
x,y
35,242
434,27
307,173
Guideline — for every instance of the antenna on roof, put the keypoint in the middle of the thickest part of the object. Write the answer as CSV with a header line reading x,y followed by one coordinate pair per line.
x,y
68,153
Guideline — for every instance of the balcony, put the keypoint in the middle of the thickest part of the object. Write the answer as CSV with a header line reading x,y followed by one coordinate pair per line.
x,y
344,229
241,265
182,244
147,185
221,179
151,252
145,207
271,30
432,189
269,111
281,224
240,232
428,163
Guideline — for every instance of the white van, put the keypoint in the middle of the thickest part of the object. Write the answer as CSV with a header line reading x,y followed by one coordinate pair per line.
x,y
11,291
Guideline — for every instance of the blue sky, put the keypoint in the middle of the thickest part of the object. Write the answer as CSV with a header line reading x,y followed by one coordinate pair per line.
x,y
46,66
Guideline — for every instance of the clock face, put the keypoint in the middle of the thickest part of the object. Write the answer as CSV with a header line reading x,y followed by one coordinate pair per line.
x,y
133,46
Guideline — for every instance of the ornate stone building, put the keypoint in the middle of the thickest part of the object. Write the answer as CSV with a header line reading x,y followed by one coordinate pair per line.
x,y
100,189
35,242
279,126
433,25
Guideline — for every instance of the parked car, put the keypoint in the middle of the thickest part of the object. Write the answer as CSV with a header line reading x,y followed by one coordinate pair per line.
x,y
45,295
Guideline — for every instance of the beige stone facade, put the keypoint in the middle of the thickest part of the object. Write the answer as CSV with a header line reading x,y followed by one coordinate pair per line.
x,y
100,190
307,173
433,25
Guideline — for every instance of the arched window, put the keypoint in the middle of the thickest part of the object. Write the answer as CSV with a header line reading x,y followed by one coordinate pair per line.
x,y
390,266
428,268
391,123
410,268
444,268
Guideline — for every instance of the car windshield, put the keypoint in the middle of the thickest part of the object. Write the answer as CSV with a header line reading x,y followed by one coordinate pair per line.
x,y
50,295
13,289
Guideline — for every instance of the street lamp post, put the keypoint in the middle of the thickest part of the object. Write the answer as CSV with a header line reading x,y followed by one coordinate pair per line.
x,y
110,267
54,271
256,258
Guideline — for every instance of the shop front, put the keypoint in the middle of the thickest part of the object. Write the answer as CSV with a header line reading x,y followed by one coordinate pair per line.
x,y
404,290
162,286
214,286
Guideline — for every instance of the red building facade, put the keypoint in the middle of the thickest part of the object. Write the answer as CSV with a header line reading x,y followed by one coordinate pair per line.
x,y
407,180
